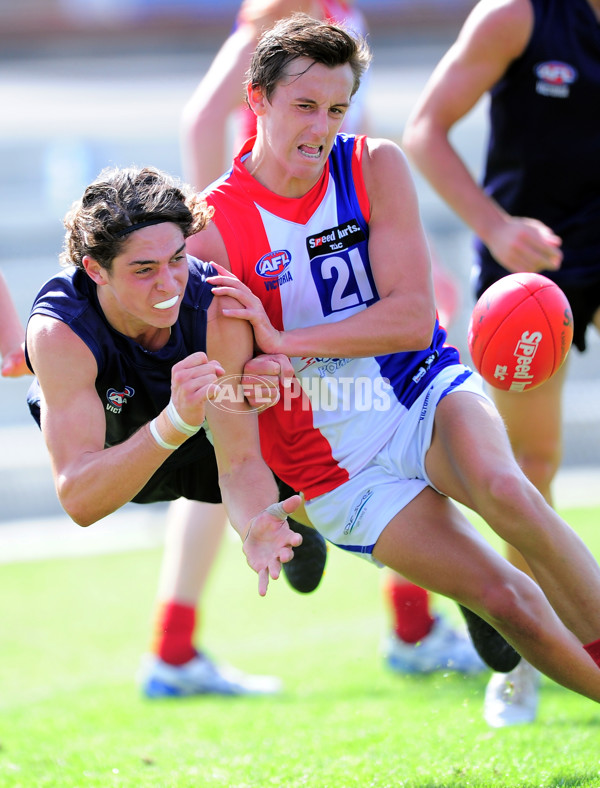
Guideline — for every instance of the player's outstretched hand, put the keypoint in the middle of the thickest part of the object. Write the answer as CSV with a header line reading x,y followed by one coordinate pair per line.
x,y
13,364
270,541
262,377
267,337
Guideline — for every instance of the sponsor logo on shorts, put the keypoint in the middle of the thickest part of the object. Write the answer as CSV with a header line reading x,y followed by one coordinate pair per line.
x,y
359,509
116,399
323,366
554,78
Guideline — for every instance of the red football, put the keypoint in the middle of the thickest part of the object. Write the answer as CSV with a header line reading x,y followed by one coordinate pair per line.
x,y
520,331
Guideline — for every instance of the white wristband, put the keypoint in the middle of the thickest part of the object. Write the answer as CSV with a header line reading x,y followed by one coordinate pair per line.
x,y
156,435
179,424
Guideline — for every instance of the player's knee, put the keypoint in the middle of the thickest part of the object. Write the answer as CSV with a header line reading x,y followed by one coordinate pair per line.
x,y
507,489
500,602
513,606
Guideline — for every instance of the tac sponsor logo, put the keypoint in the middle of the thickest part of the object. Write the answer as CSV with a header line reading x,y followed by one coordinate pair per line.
x,y
554,78
116,399
273,264
334,239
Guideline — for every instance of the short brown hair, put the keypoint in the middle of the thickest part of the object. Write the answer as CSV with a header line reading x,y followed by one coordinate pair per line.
x,y
302,36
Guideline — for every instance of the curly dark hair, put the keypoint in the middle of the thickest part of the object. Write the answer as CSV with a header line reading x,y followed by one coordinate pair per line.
x,y
97,225
299,35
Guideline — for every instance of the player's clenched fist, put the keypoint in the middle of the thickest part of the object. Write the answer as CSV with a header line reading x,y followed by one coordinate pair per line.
x,y
194,380
262,377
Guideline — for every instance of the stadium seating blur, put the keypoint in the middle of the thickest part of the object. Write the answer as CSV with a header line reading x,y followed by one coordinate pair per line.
x,y
46,22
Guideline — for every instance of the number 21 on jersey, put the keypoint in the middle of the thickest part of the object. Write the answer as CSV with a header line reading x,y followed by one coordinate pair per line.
x,y
343,281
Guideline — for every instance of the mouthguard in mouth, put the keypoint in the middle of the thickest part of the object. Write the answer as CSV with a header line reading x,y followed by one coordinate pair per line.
x,y
167,304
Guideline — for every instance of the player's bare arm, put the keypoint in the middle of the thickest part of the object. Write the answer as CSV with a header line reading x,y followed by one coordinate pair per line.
x,y
205,115
263,14
209,245
12,356
491,38
91,481
273,368
494,35
247,485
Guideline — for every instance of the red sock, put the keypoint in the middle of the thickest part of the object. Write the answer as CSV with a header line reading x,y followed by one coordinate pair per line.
x,y
410,607
593,649
174,634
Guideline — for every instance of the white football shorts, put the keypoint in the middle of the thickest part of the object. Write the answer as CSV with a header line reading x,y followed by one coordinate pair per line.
x,y
354,514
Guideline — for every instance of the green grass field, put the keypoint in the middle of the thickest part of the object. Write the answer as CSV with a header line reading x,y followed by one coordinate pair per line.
x,y
73,631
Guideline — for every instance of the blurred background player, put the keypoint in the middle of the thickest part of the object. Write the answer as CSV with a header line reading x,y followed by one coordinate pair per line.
x,y
12,335
195,530
537,208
